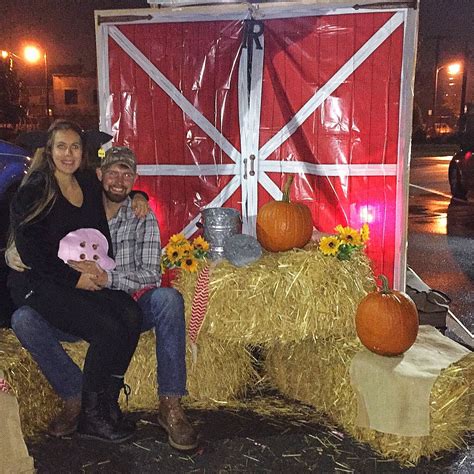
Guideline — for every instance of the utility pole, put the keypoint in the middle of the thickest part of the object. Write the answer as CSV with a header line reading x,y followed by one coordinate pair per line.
x,y
435,78
46,79
466,66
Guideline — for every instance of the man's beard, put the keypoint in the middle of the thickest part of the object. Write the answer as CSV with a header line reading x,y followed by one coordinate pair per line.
x,y
116,197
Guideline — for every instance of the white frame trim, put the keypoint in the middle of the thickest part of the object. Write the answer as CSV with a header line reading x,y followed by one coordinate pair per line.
x,y
407,84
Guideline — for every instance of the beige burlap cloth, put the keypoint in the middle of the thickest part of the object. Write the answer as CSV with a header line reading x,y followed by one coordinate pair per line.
x,y
394,392
14,457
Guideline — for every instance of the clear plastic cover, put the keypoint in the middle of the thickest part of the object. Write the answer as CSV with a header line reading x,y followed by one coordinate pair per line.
x,y
220,112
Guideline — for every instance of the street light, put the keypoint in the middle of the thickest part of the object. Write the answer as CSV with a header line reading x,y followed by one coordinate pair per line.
x,y
453,69
32,54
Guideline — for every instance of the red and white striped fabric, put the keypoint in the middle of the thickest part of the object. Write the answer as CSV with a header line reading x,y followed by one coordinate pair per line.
x,y
4,387
199,307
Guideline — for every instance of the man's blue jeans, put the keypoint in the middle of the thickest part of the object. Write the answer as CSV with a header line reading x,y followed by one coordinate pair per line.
x,y
163,310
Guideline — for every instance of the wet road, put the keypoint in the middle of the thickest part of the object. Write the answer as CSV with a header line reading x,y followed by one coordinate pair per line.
x,y
441,235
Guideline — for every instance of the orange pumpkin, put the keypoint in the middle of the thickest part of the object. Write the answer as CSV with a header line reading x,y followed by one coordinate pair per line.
x,y
387,321
284,225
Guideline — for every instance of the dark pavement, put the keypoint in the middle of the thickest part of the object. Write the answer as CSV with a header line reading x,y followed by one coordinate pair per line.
x,y
268,435
441,235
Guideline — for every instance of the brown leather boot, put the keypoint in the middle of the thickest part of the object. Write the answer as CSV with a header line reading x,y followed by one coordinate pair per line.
x,y
66,421
117,384
95,421
171,417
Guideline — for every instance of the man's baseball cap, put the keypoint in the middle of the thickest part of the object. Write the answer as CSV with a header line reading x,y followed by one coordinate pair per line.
x,y
119,155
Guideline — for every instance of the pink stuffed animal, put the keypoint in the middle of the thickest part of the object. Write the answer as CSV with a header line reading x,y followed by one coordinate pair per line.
x,y
86,244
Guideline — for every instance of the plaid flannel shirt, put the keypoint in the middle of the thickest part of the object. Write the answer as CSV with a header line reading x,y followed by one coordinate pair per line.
x,y
137,249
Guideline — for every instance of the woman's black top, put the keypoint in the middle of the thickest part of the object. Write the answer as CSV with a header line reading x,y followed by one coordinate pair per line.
x,y
38,242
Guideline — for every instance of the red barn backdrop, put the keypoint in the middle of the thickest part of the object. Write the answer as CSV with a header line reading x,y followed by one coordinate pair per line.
x,y
221,103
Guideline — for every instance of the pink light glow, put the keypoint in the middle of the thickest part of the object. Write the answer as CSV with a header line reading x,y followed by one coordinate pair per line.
x,y
367,214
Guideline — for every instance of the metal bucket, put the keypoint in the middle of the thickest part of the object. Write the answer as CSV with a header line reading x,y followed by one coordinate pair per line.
x,y
219,223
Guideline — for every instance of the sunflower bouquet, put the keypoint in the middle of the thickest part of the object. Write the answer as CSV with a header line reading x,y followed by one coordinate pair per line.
x,y
181,253
345,242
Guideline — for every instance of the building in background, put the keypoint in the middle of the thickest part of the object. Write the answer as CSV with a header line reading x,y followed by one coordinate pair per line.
x,y
75,98
72,94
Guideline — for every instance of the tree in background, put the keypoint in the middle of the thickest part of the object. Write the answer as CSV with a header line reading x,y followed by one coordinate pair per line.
x,y
11,111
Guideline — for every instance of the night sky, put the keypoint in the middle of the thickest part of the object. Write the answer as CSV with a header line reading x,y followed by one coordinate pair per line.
x,y
65,28
452,20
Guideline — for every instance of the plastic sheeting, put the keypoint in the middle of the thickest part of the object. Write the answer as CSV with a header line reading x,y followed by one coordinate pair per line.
x,y
219,112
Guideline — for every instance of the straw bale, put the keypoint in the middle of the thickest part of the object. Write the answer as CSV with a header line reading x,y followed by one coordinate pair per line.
x,y
222,372
37,401
286,296
325,384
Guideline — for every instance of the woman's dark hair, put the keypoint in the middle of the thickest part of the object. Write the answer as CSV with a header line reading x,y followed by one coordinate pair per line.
x,y
43,162
43,158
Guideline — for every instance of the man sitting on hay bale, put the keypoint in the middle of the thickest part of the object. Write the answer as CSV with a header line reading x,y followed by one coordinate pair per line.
x,y
137,252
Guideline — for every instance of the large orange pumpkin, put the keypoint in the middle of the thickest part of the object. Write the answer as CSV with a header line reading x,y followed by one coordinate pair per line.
x,y
387,321
284,225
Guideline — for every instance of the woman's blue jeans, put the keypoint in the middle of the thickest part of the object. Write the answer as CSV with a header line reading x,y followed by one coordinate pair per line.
x,y
163,311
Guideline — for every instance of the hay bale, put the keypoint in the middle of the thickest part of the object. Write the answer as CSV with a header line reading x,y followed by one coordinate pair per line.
x,y
326,386
36,399
222,372
286,297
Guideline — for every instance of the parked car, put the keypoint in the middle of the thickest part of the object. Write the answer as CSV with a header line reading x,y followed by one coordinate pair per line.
x,y
14,162
461,172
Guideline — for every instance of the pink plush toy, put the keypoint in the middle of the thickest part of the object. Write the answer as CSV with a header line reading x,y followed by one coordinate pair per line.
x,y
86,244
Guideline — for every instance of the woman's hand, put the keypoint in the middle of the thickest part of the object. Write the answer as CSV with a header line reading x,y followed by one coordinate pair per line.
x,y
87,282
13,259
140,205
92,268
85,266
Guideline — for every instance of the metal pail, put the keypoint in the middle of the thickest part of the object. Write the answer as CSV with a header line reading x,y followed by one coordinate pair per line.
x,y
219,223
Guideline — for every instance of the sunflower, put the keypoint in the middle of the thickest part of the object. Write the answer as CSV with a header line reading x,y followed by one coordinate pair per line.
x,y
329,245
174,254
350,236
187,249
190,264
365,233
177,239
200,244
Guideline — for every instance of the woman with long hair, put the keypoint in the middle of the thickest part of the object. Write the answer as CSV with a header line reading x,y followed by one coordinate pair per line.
x,y
56,197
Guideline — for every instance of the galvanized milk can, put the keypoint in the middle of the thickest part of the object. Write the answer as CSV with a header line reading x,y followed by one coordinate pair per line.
x,y
218,223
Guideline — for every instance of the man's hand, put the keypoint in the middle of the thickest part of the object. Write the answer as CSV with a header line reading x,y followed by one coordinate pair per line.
x,y
87,282
140,206
92,268
13,260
